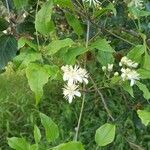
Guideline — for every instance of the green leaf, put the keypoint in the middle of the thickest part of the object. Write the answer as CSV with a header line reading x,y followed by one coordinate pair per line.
x,y
144,74
138,13
43,22
37,134
34,147
18,143
25,57
102,45
3,24
37,77
23,41
126,86
144,116
8,49
20,3
146,63
144,89
74,23
105,58
105,10
72,53
70,146
64,3
136,53
105,134
56,45
51,129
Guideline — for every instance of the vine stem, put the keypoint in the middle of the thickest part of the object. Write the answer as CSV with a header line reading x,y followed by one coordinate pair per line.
x,y
83,99
8,9
103,100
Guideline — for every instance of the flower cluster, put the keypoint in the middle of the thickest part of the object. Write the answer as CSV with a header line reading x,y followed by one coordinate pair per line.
x,y
128,71
136,3
73,76
128,62
109,68
92,2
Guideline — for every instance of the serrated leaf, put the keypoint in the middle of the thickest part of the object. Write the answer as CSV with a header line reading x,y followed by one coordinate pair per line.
x,y
43,22
70,146
102,45
37,77
72,53
56,45
105,134
144,89
8,49
144,116
51,129
18,143
136,53
37,134
74,23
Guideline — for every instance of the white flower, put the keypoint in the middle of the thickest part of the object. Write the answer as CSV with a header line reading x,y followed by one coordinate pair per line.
x,y
128,74
83,75
104,68
116,74
70,91
94,2
136,3
74,74
128,62
110,67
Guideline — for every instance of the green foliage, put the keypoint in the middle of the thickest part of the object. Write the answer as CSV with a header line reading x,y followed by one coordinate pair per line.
x,y
57,45
43,22
37,134
70,145
18,143
3,24
37,77
74,23
55,33
144,89
20,3
105,134
136,53
144,116
8,49
51,129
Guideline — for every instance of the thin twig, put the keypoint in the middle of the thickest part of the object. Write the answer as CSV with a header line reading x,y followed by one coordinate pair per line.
x,y
8,9
83,99
37,37
103,100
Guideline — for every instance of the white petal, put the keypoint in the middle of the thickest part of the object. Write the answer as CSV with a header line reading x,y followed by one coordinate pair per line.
x,y
77,93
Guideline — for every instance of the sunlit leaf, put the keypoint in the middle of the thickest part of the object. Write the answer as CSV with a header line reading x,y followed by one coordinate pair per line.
x,y
51,129
70,146
105,134
144,116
